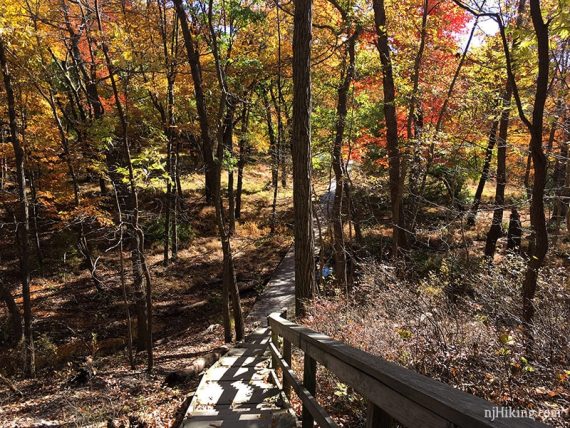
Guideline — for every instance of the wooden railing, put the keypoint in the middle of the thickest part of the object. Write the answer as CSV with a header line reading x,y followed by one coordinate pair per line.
x,y
396,396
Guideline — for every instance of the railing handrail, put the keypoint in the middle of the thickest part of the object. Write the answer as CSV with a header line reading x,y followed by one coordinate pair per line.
x,y
409,397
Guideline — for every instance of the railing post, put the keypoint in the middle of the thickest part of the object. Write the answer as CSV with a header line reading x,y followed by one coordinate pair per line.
x,y
275,340
378,418
287,357
310,382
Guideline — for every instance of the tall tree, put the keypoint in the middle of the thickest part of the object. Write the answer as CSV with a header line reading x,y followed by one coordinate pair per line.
x,y
138,252
301,151
339,247
196,70
496,228
394,156
535,126
23,217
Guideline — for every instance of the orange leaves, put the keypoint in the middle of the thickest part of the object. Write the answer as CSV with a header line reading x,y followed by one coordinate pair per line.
x,y
89,212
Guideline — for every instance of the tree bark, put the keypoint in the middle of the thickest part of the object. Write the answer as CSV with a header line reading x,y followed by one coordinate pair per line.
x,y
338,166
560,209
484,174
398,222
14,317
242,159
229,148
537,216
301,151
496,229
230,288
196,70
274,151
227,105
23,227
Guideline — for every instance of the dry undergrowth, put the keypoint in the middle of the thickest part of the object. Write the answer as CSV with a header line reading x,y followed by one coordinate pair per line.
x,y
459,324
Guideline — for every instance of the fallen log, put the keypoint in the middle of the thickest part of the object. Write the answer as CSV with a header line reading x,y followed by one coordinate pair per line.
x,y
178,310
181,376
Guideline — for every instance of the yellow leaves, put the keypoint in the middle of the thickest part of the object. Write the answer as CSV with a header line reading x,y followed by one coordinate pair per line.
x,y
89,211
127,54
506,339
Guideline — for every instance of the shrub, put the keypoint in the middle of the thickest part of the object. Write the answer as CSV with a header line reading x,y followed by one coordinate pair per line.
x,y
154,231
460,324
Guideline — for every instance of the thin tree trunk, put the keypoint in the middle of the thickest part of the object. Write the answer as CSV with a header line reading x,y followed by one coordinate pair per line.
x,y
36,229
225,133
196,70
3,167
559,177
416,71
496,229
242,158
274,153
537,216
279,105
337,164
484,174
398,223
124,284
438,128
229,147
301,151
14,317
167,221
229,282
23,227
139,236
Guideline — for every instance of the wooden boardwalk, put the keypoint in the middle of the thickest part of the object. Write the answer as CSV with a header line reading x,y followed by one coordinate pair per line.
x,y
240,389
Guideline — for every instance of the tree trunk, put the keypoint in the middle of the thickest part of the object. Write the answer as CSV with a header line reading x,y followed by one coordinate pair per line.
x,y
416,169
301,151
196,70
229,147
537,216
484,174
23,229
280,108
242,158
134,206
229,282
36,229
560,209
275,156
124,287
515,232
398,223
14,317
339,249
496,229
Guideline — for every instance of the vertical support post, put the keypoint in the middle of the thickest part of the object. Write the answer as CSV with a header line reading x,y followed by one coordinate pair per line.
x,y
286,352
275,340
310,382
378,418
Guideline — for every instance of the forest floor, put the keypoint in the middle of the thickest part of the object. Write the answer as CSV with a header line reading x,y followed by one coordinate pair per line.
x,y
75,323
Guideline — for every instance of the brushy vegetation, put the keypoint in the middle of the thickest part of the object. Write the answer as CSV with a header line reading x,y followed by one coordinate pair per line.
x,y
460,324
